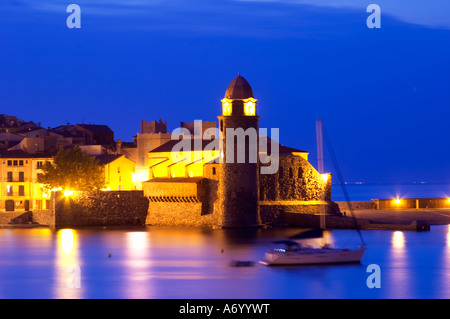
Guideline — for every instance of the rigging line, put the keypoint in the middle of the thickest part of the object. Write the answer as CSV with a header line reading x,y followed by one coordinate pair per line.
x,y
341,181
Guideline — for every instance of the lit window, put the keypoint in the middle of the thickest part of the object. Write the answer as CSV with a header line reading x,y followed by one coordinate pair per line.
x,y
226,107
9,190
249,108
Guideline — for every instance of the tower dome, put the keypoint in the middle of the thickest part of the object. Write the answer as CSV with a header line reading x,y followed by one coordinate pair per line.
x,y
239,89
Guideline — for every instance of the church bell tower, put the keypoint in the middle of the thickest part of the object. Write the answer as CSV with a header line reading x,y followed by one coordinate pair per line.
x,y
238,189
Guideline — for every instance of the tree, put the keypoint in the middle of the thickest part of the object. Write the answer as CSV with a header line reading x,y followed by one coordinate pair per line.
x,y
73,170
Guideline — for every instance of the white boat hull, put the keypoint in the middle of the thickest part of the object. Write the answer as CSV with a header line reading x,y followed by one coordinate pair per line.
x,y
307,256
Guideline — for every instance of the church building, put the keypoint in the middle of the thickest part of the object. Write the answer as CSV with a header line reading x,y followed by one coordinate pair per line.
x,y
226,186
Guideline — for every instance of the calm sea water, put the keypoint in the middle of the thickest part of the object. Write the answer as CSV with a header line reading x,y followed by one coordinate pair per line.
x,y
194,263
365,192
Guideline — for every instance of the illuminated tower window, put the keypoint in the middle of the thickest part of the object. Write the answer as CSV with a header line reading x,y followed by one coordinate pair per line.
x,y
250,107
226,107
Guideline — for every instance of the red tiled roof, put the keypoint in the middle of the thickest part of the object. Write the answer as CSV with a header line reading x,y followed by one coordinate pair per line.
x,y
168,147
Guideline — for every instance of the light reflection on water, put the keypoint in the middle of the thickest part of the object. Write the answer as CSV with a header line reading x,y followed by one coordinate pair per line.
x,y
194,263
67,264
399,264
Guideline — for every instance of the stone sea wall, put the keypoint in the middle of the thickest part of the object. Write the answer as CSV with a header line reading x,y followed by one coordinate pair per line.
x,y
44,217
296,179
356,205
274,213
15,218
96,208
179,214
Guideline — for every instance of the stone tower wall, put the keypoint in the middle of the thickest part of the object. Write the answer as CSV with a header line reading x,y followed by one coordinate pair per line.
x,y
238,193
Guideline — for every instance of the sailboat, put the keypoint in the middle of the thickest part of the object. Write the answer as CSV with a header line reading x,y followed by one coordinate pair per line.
x,y
295,253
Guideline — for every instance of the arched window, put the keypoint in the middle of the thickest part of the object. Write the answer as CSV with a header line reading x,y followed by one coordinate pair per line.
x,y
291,173
280,172
300,172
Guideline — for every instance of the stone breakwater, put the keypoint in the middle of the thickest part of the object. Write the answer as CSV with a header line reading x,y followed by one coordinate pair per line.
x,y
96,208
344,206
342,222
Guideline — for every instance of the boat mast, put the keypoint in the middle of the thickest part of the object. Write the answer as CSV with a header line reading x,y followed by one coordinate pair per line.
x,y
320,167
341,181
319,146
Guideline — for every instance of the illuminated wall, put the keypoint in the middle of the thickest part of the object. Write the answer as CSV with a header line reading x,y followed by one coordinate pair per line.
x,y
138,153
183,164
119,174
20,190
296,180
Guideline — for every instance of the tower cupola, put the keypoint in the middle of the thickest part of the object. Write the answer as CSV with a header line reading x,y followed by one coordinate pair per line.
x,y
239,98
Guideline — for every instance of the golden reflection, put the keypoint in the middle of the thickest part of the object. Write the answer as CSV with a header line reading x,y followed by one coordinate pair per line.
x,y
445,280
137,242
399,275
67,240
448,236
45,232
398,239
68,268
139,265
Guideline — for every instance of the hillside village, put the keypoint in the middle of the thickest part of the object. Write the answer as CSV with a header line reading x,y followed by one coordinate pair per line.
x,y
25,146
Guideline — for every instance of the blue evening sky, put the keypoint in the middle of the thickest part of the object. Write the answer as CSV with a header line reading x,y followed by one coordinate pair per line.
x,y
383,94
